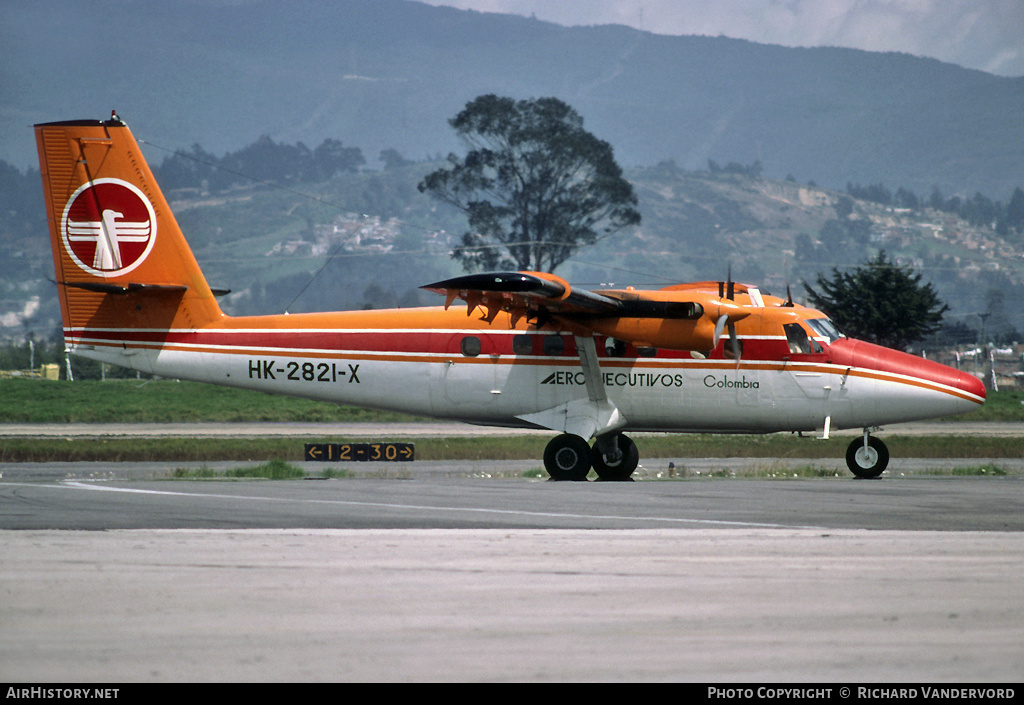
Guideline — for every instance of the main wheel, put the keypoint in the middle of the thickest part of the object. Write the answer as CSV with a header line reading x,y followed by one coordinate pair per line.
x,y
567,457
867,460
620,469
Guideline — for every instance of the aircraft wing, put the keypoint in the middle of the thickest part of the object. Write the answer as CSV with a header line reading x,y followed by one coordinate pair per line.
x,y
546,297
525,293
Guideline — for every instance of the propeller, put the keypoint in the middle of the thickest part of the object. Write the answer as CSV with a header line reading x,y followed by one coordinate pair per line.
x,y
724,320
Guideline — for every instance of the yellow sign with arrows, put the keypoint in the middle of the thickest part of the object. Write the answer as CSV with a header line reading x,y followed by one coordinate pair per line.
x,y
360,452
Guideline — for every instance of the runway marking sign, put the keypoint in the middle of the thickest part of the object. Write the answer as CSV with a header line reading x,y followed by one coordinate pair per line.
x,y
361,452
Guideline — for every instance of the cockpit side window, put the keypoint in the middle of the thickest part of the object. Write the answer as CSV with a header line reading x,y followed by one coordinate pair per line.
x,y
800,341
825,328
797,338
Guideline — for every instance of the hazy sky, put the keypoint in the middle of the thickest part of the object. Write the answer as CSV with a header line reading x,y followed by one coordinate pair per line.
x,y
979,34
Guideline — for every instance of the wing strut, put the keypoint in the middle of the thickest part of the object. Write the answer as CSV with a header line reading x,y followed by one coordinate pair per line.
x,y
593,416
587,350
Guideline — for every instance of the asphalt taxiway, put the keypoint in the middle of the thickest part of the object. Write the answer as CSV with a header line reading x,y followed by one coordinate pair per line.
x,y
478,573
495,494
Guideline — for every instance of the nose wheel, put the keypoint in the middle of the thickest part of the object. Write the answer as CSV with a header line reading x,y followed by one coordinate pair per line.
x,y
867,457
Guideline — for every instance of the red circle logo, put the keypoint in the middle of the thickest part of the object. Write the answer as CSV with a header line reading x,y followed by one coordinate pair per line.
x,y
109,227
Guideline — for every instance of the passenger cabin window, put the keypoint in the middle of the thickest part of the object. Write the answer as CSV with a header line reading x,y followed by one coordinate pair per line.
x,y
614,348
732,350
471,346
554,345
522,345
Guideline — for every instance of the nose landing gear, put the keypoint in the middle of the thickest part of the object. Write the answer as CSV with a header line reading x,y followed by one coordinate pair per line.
x,y
867,457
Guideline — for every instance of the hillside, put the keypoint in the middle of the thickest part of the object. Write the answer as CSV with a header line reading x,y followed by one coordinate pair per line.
x,y
389,73
371,239
770,232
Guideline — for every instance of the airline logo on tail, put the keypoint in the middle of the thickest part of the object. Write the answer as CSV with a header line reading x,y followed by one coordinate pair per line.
x,y
109,227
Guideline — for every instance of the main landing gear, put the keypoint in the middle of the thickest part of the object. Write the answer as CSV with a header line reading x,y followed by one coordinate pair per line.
x,y
867,457
614,457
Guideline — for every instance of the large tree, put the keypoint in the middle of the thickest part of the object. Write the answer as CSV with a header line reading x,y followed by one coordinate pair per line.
x,y
534,185
881,302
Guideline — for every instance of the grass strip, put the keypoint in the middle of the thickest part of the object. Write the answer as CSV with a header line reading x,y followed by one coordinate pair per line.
x,y
165,401
270,470
121,450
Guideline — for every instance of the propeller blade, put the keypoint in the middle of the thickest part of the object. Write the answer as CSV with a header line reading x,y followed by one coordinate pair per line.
x,y
720,326
735,343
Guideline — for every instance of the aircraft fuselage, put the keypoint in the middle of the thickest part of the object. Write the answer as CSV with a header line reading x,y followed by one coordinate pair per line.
x,y
445,364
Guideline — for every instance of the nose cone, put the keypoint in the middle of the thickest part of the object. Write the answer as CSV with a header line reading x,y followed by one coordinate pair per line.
x,y
916,388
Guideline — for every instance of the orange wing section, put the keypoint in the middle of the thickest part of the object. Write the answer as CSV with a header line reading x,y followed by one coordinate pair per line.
x,y
687,317
121,260
532,294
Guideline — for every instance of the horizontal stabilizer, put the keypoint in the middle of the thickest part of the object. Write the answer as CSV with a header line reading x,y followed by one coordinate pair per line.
x,y
129,288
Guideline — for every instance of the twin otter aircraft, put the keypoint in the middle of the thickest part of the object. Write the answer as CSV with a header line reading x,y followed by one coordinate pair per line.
x,y
529,350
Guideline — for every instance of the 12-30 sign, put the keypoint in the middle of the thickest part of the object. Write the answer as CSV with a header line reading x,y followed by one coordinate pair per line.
x,y
360,452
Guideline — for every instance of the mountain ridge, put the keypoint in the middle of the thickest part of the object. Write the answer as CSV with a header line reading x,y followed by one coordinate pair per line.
x,y
389,74
371,239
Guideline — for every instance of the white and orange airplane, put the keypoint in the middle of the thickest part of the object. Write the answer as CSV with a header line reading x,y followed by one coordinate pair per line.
x,y
529,350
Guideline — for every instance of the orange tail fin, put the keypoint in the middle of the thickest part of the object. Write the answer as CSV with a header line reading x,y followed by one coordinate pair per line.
x,y
121,260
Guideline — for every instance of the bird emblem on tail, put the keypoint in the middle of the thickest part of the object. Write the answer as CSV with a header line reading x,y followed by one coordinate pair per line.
x,y
108,227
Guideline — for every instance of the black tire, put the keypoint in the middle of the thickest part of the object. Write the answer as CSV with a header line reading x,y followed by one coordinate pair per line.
x,y
867,462
622,469
567,457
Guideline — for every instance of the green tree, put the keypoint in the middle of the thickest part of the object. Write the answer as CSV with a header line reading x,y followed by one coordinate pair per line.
x,y
534,185
1015,210
881,302
393,159
332,157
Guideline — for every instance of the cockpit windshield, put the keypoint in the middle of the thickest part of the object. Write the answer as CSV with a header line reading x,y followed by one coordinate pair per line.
x,y
825,328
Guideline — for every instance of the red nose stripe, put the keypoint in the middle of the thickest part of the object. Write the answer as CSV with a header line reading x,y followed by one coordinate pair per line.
x,y
869,359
